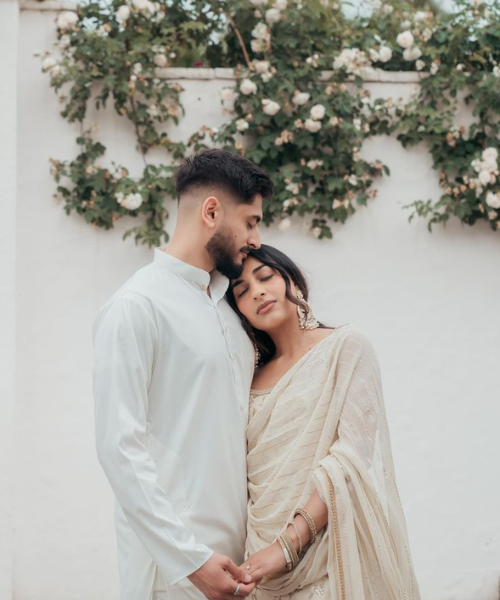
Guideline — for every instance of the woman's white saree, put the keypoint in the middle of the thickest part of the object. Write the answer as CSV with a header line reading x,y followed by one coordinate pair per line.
x,y
323,426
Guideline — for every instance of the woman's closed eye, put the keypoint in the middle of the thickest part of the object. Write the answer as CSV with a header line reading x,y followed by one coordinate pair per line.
x,y
245,289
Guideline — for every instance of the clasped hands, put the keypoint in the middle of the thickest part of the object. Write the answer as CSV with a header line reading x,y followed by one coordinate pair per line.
x,y
219,578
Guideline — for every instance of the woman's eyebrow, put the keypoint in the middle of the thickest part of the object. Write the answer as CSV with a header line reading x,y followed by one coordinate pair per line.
x,y
240,281
258,269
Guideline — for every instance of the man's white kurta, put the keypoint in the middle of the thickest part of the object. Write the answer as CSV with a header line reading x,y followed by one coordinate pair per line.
x,y
172,374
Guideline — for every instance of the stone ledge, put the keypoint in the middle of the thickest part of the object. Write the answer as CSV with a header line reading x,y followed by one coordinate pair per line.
x,y
373,76
47,5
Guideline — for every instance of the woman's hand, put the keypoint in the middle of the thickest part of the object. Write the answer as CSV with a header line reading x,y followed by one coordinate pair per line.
x,y
265,562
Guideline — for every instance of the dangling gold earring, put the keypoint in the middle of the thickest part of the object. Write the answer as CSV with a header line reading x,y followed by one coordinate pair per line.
x,y
256,357
306,318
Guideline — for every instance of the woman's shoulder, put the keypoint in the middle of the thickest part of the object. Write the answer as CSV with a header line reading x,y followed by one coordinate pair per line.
x,y
351,337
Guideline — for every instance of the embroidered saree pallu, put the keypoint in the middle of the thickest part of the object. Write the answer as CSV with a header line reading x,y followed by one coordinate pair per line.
x,y
323,426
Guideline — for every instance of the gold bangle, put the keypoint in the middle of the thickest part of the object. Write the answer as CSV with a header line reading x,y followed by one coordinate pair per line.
x,y
291,549
288,560
310,521
297,533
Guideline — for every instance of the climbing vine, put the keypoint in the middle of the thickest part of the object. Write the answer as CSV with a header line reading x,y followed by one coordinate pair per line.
x,y
299,106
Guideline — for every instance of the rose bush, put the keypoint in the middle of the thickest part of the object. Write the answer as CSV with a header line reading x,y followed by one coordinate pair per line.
x,y
299,106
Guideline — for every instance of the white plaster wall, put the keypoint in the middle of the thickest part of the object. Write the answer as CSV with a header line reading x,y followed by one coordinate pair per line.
x,y
8,96
429,303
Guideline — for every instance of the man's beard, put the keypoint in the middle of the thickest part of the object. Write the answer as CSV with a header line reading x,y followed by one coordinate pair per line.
x,y
222,252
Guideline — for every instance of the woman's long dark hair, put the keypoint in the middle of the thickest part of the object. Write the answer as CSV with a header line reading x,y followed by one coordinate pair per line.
x,y
280,262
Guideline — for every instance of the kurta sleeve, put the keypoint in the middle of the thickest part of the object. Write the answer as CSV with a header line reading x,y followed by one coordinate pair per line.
x,y
368,547
125,343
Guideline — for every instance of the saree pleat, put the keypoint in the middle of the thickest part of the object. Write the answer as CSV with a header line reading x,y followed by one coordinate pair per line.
x,y
323,426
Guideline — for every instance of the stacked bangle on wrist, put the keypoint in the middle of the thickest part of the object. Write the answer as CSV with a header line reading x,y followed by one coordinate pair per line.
x,y
310,522
297,533
288,558
287,540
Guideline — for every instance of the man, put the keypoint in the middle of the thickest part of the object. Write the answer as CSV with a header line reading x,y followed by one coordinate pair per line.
x,y
173,368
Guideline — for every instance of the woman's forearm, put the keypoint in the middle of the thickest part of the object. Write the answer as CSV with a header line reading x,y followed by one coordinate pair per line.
x,y
318,510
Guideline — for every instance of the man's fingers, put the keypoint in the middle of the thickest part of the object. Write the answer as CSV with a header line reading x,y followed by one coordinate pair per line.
x,y
244,591
237,573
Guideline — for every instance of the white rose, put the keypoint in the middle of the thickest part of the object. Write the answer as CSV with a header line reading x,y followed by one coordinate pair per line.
x,y
266,77
317,112
490,164
419,65
151,7
130,202
293,188
357,124
261,31
313,164
301,98
490,154
388,9
337,204
139,4
420,15
67,19
160,60
385,53
248,87
287,204
426,34
484,177
273,15
262,66
48,63
312,126
227,94
258,2
405,39
496,71
281,4
285,224
316,232
374,55
153,111
434,68
257,45
123,13
241,125
493,200
270,107
412,53
377,4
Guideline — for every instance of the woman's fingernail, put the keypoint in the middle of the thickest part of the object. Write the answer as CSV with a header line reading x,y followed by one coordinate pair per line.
x,y
248,578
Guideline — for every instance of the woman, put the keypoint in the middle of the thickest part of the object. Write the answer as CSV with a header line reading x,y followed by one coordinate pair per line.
x,y
324,515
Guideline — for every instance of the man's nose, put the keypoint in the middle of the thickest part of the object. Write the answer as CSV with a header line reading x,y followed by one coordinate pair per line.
x,y
254,241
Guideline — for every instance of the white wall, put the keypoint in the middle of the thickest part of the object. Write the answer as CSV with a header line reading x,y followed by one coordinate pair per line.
x,y
428,302
8,81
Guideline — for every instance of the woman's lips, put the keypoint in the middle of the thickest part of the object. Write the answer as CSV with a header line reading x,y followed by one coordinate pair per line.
x,y
266,307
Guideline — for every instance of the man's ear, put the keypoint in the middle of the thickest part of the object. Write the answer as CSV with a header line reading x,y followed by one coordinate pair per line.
x,y
211,211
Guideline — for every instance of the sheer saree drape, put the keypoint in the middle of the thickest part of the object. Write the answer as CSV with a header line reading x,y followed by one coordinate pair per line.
x,y
323,426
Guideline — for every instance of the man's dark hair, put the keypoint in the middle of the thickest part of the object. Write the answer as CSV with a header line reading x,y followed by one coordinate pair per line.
x,y
237,175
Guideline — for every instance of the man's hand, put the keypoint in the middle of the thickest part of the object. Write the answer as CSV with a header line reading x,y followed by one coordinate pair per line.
x,y
219,577
265,562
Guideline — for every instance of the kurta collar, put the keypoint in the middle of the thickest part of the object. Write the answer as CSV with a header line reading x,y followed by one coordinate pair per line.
x,y
202,279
